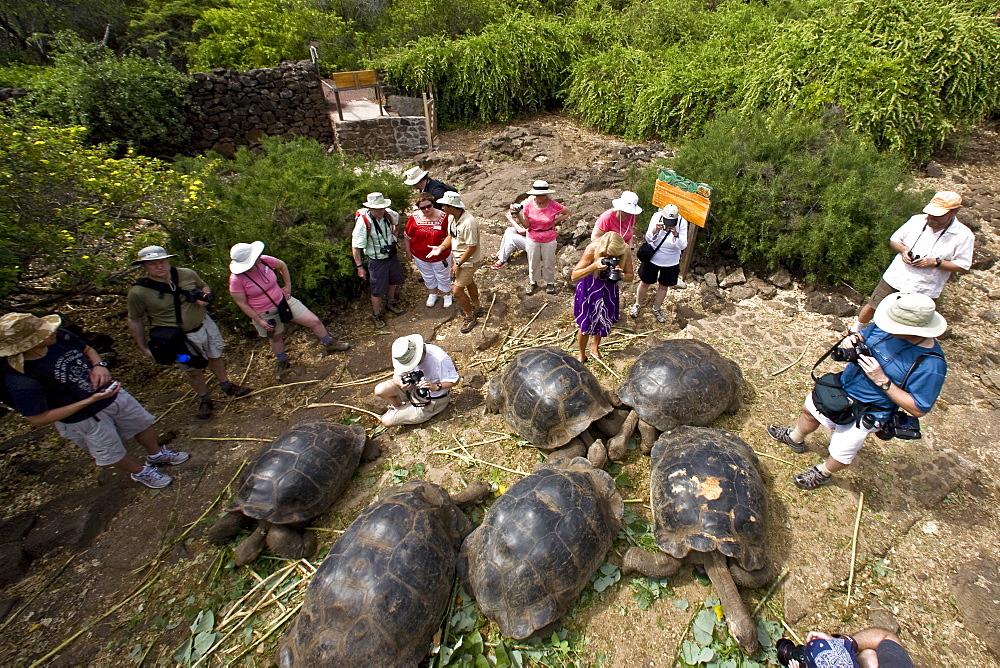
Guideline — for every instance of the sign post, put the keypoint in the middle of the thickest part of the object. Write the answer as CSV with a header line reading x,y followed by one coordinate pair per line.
x,y
693,201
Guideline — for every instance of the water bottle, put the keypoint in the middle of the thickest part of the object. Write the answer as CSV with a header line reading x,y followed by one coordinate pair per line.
x,y
183,359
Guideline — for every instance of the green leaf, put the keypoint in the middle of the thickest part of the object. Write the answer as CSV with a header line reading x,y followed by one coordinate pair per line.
x,y
681,604
690,652
183,653
204,622
706,655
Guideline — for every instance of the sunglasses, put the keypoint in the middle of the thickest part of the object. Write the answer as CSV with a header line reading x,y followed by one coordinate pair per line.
x,y
425,207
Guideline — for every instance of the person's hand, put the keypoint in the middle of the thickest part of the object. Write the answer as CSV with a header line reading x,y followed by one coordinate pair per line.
x,y
872,369
905,254
426,384
813,635
149,355
265,324
99,377
454,271
851,340
287,291
434,251
110,391
362,273
924,262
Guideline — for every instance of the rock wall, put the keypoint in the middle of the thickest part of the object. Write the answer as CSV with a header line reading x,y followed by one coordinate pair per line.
x,y
11,93
383,137
233,109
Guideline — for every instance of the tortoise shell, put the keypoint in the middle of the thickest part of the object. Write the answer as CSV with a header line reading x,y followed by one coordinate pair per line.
x,y
539,544
301,473
380,594
681,382
707,494
547,396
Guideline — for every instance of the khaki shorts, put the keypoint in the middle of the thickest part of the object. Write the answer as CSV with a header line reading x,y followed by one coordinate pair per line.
x,y
208,341
298,310
881,291
465,275
104,435
410,414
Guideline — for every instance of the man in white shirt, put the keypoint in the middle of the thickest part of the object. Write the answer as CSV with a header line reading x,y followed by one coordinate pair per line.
x,y
930,248
419,389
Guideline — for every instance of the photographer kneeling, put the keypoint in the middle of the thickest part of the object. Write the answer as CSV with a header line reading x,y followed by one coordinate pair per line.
x,y
423,376
898,349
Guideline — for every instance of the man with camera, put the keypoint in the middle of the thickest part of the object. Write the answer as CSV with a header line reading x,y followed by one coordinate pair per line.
x,y
419,389
173,299
930,247
870,648
376,234
667,235
895,363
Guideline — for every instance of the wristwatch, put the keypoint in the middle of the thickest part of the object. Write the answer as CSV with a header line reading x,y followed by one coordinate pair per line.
x,y
458,265
885,386
938,262
102,363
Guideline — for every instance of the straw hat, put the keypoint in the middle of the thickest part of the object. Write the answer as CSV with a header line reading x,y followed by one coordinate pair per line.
x,y
627,203
150,253
907,313
452,198
540,188
943,202
22,331
244,256
377,201
407,351
414,176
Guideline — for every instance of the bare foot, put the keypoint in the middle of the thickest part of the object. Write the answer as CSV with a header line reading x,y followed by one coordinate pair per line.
x,y
596,353
582,357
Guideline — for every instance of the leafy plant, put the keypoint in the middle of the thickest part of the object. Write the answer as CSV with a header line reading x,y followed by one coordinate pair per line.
x,y
647,590
201,640
710,642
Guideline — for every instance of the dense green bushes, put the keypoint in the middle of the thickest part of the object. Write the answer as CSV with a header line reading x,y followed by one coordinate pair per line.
x,y
811,195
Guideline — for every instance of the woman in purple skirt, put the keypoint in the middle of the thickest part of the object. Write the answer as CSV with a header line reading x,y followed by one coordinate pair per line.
x,y
605,262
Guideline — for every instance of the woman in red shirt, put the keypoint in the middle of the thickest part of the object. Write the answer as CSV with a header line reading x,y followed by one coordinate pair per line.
x,y
425,228
540,216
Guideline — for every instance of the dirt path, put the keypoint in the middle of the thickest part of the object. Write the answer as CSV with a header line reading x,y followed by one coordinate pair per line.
x,y
931,518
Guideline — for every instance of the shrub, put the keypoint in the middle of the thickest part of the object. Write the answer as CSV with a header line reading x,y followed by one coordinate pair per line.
x,y
811,195
297,200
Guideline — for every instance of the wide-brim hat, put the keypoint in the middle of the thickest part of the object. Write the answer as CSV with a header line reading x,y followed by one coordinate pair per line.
x,y
540,188
22,331
414,176
150,253
909,314
627,203
452,198
943,202
407,351
377,201
244,256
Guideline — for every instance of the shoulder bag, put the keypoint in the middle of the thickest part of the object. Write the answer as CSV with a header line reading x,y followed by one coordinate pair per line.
x,y
284,310
828,394
646,250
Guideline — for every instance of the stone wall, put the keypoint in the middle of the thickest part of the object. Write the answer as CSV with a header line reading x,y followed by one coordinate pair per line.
x,y
386,136
235,109
11,93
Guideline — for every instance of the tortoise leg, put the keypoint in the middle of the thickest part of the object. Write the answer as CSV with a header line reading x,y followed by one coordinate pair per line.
x,y
291,542
611,424
650,564
371,452
649,434
586,438
228,526
474,493
597,454
741,624
251,548
750,579
568,452
618,444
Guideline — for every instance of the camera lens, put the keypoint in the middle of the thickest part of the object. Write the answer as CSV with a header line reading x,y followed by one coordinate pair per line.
x,y
788,650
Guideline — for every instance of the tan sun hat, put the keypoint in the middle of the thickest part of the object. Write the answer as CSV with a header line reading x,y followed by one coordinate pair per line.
x,y
244,256
943,202
407,351
150,253
540,188
452,198
22,331
414,176
377,201
909,314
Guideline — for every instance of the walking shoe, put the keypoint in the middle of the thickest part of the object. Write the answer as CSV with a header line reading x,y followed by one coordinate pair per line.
x,y
379,320
235,390
530,290
634,311
658,314
281,367
495,256
150,476
811,479
478,311
681,285
781,434
337,346
551,288
167,456
394,308
432,299
469,324
498,264
204,410
447,301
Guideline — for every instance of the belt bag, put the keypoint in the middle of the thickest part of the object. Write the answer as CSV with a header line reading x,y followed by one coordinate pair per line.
x,y
646,250
166,343
831,400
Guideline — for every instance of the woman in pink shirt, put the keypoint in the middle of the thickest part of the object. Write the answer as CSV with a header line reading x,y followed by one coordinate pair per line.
x,y
619,218
254,287
540,216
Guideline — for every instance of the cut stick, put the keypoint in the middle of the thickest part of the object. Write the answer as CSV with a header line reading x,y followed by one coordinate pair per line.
x,y
470,459
230,438
777,459
789,366
353,408
854,547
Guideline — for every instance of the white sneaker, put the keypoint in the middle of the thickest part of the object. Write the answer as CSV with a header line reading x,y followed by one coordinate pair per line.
x,y
447,301
681,285
658,314
150,476
634,311
432,299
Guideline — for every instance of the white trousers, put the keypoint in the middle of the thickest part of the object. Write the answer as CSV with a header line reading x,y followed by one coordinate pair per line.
x,y
541,261
436,275
510,242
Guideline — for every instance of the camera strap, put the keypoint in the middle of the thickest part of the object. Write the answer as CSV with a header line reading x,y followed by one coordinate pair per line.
x,y
261,288
913,366
172,288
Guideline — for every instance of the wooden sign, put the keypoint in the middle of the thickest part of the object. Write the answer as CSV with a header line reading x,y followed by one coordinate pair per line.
x,y
693,200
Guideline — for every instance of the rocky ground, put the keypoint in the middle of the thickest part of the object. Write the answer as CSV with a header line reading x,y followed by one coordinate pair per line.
x,y
75,541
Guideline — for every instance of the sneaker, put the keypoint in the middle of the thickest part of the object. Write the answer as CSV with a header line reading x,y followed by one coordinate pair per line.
x,y
811,479
495,256
379,320
337,346
478,311
394,308
235,390
432,299
551,288
469,324
781,434
530,290
498,264
447,301
204,410
658,314
634,311
281,367
150,476
681,285
167,456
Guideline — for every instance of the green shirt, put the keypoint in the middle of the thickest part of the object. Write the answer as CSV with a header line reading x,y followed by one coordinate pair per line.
x,y
159,307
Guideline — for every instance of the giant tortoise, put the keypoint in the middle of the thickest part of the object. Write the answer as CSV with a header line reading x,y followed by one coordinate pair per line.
x,y
710,507
539,544
380,594
551,399
292,480
676,382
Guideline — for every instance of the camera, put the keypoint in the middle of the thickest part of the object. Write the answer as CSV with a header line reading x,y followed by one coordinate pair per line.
x,y
669,222
912,256
613,272
836,652
788,651
421,395
850,355
197,295
516,207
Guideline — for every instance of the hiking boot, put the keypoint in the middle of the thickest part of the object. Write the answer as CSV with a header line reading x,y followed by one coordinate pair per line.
x,y
469,324
432,299
634,311
205,407
530,290
499,264
551,288
447,301
478,311
167,456
658,314
281,367
336,346
811,479
394,308
379,320
782,435
235,390
150,476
